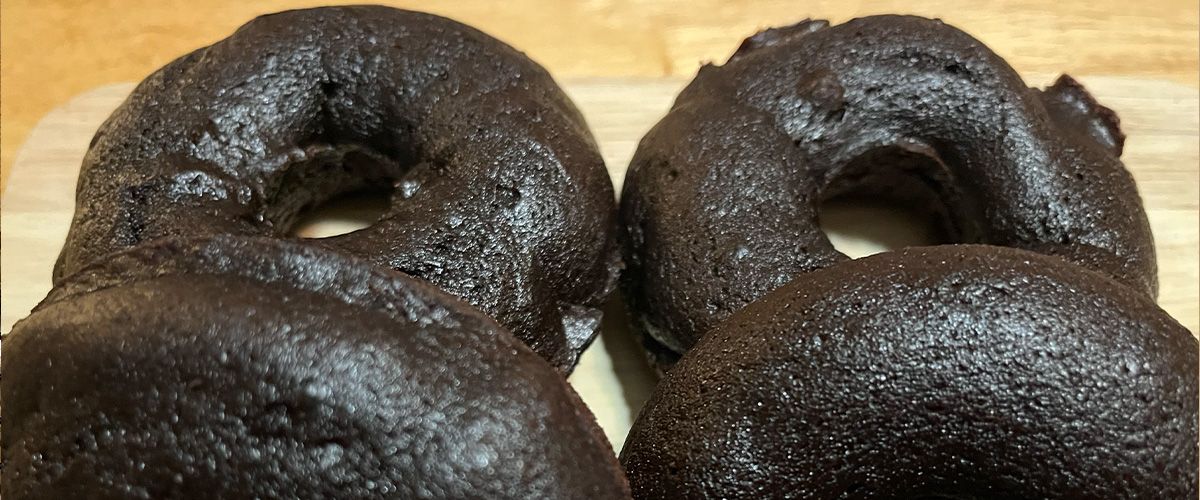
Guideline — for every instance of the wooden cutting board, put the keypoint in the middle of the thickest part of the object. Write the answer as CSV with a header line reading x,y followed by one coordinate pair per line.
x,y
1162,151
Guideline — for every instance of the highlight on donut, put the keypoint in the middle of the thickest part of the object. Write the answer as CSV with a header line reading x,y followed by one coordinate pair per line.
x,y
721,201
282,370
1026,358
498,192
193,348
958,371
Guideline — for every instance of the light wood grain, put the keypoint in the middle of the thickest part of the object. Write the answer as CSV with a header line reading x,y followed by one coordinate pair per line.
x,y
1162,152
53,49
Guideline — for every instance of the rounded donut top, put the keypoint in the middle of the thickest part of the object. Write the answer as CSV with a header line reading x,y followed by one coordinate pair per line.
x,y
954,371
500,195
283,370
721,200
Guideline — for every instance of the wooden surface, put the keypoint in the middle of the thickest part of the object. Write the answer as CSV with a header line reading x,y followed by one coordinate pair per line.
x,y
51,50
1162,151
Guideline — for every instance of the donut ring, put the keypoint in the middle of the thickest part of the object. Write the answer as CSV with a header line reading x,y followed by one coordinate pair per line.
x,y
282,370
937,372
501,195
721,200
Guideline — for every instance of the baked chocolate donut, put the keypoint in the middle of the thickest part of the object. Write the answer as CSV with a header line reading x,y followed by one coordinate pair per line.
x,y
501,196
721,200
232,367
937,372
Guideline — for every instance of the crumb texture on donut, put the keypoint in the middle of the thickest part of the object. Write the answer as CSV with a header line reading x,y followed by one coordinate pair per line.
x,y
281,370
936,372
499,194
721,201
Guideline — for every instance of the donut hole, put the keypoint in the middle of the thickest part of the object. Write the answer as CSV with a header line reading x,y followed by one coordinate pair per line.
x,y
892,197
333,190
344,213
859,226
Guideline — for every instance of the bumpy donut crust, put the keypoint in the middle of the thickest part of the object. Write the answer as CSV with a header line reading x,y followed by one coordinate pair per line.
x,y
256,368
501,195
721,201
937,372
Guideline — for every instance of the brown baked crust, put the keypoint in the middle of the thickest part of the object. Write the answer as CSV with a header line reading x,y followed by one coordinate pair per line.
x,y
501,196
720,204
228,367
939,372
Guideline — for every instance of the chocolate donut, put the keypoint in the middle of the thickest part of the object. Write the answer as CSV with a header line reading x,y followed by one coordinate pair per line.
x,y
937,372
721,200
501,196
282,370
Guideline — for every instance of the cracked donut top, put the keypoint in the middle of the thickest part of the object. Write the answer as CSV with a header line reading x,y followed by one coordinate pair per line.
x,y
721,201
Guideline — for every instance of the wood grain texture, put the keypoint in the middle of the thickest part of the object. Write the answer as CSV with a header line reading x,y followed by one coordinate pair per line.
x,y
53,49
1162,152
